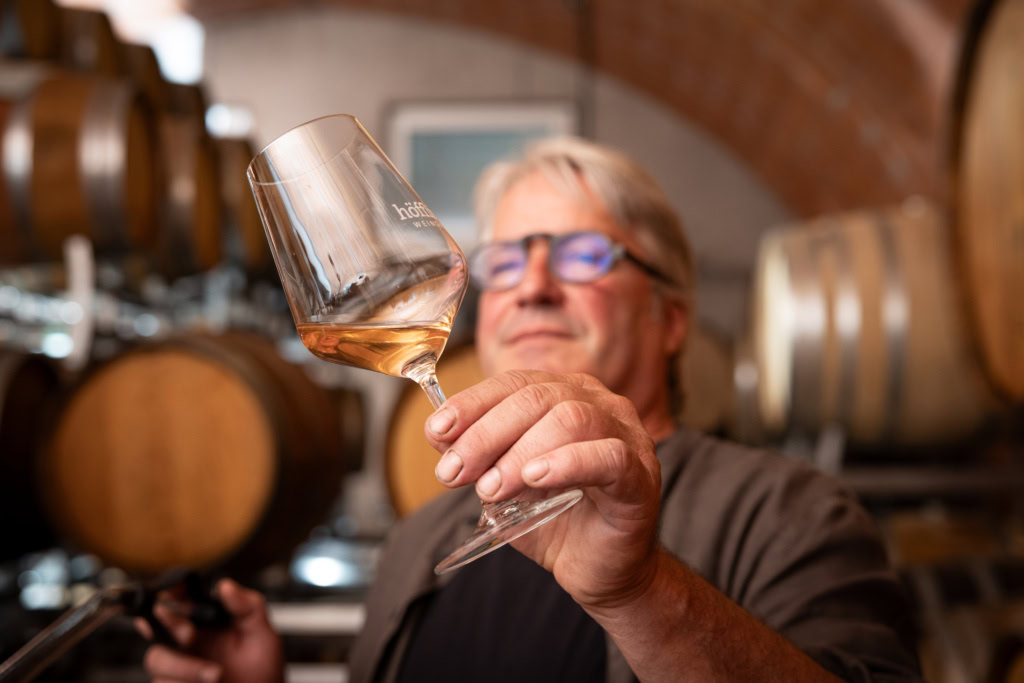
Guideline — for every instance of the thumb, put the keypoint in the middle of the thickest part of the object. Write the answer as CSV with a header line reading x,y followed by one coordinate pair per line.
x,y
248,607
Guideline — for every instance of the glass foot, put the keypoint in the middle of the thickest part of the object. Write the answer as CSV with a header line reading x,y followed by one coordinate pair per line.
x,y
504,522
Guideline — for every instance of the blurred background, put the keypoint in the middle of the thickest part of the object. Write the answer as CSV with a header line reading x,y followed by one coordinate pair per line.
x,y
851,176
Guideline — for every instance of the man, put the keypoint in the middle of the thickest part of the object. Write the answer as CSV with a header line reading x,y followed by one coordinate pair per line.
x,y
687,558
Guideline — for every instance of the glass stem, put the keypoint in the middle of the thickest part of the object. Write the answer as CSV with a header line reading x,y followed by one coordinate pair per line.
x,y
433,390
493,513
421,371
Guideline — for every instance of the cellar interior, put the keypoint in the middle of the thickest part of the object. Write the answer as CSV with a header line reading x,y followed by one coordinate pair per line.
x,y
850,177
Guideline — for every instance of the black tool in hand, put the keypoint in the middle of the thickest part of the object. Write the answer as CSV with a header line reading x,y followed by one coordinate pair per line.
x,y
206,611
134,599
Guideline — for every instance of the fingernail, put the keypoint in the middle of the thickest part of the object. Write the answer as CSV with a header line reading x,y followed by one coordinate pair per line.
x,y
210,674
441,422
448,467
489,483
536,469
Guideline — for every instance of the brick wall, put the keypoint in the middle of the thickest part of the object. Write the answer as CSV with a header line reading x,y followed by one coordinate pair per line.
x,y
827,102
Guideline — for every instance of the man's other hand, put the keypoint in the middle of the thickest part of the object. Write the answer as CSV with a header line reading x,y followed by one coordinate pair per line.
x,y
247,651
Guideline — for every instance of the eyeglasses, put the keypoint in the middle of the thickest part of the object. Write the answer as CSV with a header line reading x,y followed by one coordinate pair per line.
x,y
575,257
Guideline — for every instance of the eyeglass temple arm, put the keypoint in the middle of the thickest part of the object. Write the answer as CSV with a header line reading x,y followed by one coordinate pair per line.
x,y
646,267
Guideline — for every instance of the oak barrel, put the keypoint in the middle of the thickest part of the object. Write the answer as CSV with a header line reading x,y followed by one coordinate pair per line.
x,y
29,389
196,451
988,185
857,323
78,158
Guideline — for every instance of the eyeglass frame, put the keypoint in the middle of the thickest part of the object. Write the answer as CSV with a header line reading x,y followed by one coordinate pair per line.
x,y
618,252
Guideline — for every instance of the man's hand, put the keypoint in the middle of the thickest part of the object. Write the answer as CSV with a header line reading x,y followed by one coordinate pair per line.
x,y
522,434
247,651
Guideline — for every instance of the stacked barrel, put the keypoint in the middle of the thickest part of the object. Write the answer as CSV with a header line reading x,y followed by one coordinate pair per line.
x,y
889,321
195,450
94,141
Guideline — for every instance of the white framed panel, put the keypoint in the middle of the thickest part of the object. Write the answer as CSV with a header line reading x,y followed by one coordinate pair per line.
x,y
441,147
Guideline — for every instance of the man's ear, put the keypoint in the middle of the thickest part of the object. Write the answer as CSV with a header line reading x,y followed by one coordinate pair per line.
x,y
676,315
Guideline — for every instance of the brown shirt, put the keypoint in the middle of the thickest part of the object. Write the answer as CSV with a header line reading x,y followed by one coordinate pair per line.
x,y
784,541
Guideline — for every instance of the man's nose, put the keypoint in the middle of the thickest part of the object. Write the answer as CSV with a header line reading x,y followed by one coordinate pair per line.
x,y
538,285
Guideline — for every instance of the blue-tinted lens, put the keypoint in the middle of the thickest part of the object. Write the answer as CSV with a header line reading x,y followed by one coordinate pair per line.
x,y
498,266
583,257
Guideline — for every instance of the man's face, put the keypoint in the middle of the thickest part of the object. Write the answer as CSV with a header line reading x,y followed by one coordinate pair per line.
x,y
614,328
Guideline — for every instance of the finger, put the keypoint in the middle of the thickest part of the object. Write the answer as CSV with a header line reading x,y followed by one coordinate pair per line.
x,y
605,464
162,662
143,628
567,422
498,430
248,607
180,627
466,407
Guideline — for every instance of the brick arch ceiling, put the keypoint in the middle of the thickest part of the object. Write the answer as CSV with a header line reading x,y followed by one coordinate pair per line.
x,y
827,102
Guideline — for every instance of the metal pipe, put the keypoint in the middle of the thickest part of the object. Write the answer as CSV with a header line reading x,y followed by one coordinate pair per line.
x,y
57,638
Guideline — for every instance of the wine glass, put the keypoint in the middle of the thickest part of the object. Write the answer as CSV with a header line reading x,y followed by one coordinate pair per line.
x,y
372,278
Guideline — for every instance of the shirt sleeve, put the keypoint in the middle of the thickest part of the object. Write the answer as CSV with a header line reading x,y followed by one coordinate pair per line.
x,y
820,577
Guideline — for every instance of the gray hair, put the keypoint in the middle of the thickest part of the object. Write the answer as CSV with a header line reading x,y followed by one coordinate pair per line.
x,y
629,194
